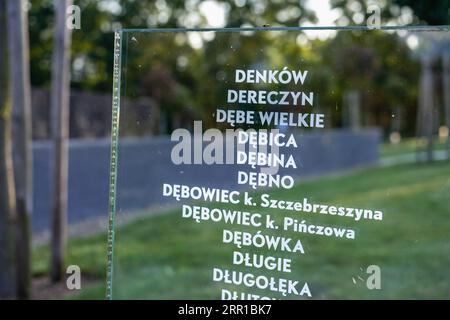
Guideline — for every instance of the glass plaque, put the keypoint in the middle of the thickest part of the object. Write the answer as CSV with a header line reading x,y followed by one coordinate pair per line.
x,y
280,163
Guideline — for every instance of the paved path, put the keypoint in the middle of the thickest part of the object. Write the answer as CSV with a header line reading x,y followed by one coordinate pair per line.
x,y
405,158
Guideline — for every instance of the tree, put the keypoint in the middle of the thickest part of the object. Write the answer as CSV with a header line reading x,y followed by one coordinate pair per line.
x,y
23,165
429,12
432,12
91,49
7,194
60,132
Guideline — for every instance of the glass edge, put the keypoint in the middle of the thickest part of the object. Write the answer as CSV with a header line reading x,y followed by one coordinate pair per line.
x,y
115,106
337,28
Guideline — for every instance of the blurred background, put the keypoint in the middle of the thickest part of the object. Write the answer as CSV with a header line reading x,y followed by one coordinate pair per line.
x,y
385,95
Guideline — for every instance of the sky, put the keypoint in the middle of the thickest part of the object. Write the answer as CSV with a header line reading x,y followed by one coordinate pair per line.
x,y
215,13
326,16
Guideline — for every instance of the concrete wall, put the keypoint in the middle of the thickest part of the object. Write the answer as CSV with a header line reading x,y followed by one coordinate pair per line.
x,y
144,165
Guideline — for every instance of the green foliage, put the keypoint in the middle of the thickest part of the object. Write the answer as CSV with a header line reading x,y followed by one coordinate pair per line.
x,y
430,12
381,67
379,64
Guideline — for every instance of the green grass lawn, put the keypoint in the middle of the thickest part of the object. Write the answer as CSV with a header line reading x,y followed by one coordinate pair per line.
x,y
166,256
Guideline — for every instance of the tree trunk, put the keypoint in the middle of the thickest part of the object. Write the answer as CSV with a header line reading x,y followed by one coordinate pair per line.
x,y
446,86
352,109
425,111
23,165
60,132
8,284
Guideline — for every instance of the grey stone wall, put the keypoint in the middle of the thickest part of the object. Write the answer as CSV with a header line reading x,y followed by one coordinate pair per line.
x,y
145,164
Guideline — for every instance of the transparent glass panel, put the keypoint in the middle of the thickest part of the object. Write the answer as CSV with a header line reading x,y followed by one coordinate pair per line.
x,y
281,164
